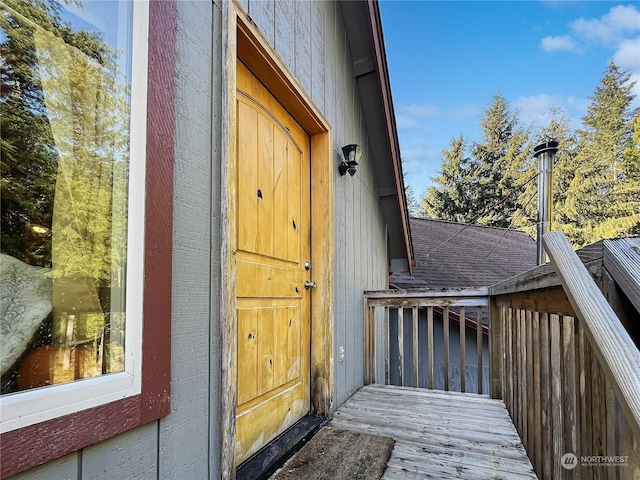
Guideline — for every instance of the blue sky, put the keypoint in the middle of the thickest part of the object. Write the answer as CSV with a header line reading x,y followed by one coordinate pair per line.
x,y
447,58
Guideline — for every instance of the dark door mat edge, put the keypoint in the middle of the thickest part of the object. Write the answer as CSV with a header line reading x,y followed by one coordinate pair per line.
x,y
277,452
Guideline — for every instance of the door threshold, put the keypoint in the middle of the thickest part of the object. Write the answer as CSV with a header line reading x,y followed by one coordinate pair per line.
x,y
279,450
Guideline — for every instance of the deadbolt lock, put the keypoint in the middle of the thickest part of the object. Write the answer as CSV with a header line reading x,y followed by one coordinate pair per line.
x,y
307,265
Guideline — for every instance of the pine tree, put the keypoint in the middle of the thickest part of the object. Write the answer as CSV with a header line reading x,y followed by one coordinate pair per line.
x,y
632,176
452,197
563,172
57,78
500,159
632,153
412,204
603,200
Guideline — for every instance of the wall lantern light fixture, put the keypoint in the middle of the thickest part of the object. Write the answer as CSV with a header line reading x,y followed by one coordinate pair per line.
x,y
352,154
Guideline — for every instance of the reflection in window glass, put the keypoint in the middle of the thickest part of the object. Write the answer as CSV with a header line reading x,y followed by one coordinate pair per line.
x,y
65,163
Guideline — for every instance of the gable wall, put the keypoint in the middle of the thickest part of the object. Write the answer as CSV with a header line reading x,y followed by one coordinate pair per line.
x,y
179,445
310,37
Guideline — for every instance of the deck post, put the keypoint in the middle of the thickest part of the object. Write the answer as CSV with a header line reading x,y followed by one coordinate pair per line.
x,y
463,351
496,350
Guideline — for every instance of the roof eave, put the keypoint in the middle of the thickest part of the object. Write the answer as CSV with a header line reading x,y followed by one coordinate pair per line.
x,y
377,39
364,30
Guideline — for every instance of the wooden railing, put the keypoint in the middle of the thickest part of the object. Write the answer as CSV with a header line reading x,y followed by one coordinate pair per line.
x,y
403,330
567,369
560,356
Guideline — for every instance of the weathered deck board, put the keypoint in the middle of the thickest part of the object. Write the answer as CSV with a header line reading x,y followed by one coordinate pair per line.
x,y
438,434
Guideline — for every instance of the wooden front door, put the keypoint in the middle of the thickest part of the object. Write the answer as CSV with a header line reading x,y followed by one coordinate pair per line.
x,y
273,243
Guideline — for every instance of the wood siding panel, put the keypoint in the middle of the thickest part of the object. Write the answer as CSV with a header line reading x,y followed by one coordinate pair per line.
x,y
349,277
354,330
310,37
262,12
322,64
360,241
215,348
330,68
302,68
64,467
244,3
340,195
131,454
318,9
285,31
46,440
341,257
194,188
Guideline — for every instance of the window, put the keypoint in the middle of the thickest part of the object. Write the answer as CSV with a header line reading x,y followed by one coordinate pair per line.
x,y
87,162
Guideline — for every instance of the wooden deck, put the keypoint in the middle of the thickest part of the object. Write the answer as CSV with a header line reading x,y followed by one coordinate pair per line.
x,y
438,434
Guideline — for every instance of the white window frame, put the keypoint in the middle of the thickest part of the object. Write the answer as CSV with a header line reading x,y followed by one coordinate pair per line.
x,y
21,409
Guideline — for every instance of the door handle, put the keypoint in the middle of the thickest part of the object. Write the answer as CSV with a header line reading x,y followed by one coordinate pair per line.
x,y
309,284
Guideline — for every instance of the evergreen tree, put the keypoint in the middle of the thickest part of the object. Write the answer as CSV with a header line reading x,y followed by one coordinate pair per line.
x,y
632,153
632,176
412,204
603,200
563,173
500,159
452,196
55,148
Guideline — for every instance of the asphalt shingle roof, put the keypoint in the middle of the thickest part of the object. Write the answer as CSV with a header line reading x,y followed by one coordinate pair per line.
x,y
476,257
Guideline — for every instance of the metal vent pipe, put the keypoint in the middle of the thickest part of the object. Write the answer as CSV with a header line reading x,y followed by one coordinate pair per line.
x,y
544,153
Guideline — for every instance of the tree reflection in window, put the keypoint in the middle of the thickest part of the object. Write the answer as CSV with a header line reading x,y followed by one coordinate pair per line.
x,y
65,163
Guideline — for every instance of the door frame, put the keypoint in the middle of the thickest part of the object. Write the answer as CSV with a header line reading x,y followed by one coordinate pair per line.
x,y
242,39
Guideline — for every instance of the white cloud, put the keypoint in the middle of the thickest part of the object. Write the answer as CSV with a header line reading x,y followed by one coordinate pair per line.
x,y
562,42
617,29
463,112
419,162
635,77
577,104
414,147
410,115
535,111
405,122
612,27
419,165
413,117
420,118
420,111
627,56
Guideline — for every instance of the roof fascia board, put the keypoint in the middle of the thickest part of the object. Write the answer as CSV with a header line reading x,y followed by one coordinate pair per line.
x,y
375,23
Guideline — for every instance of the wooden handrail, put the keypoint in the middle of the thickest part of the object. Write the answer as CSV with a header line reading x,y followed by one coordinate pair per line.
x,y
616,352
621,258
560,356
